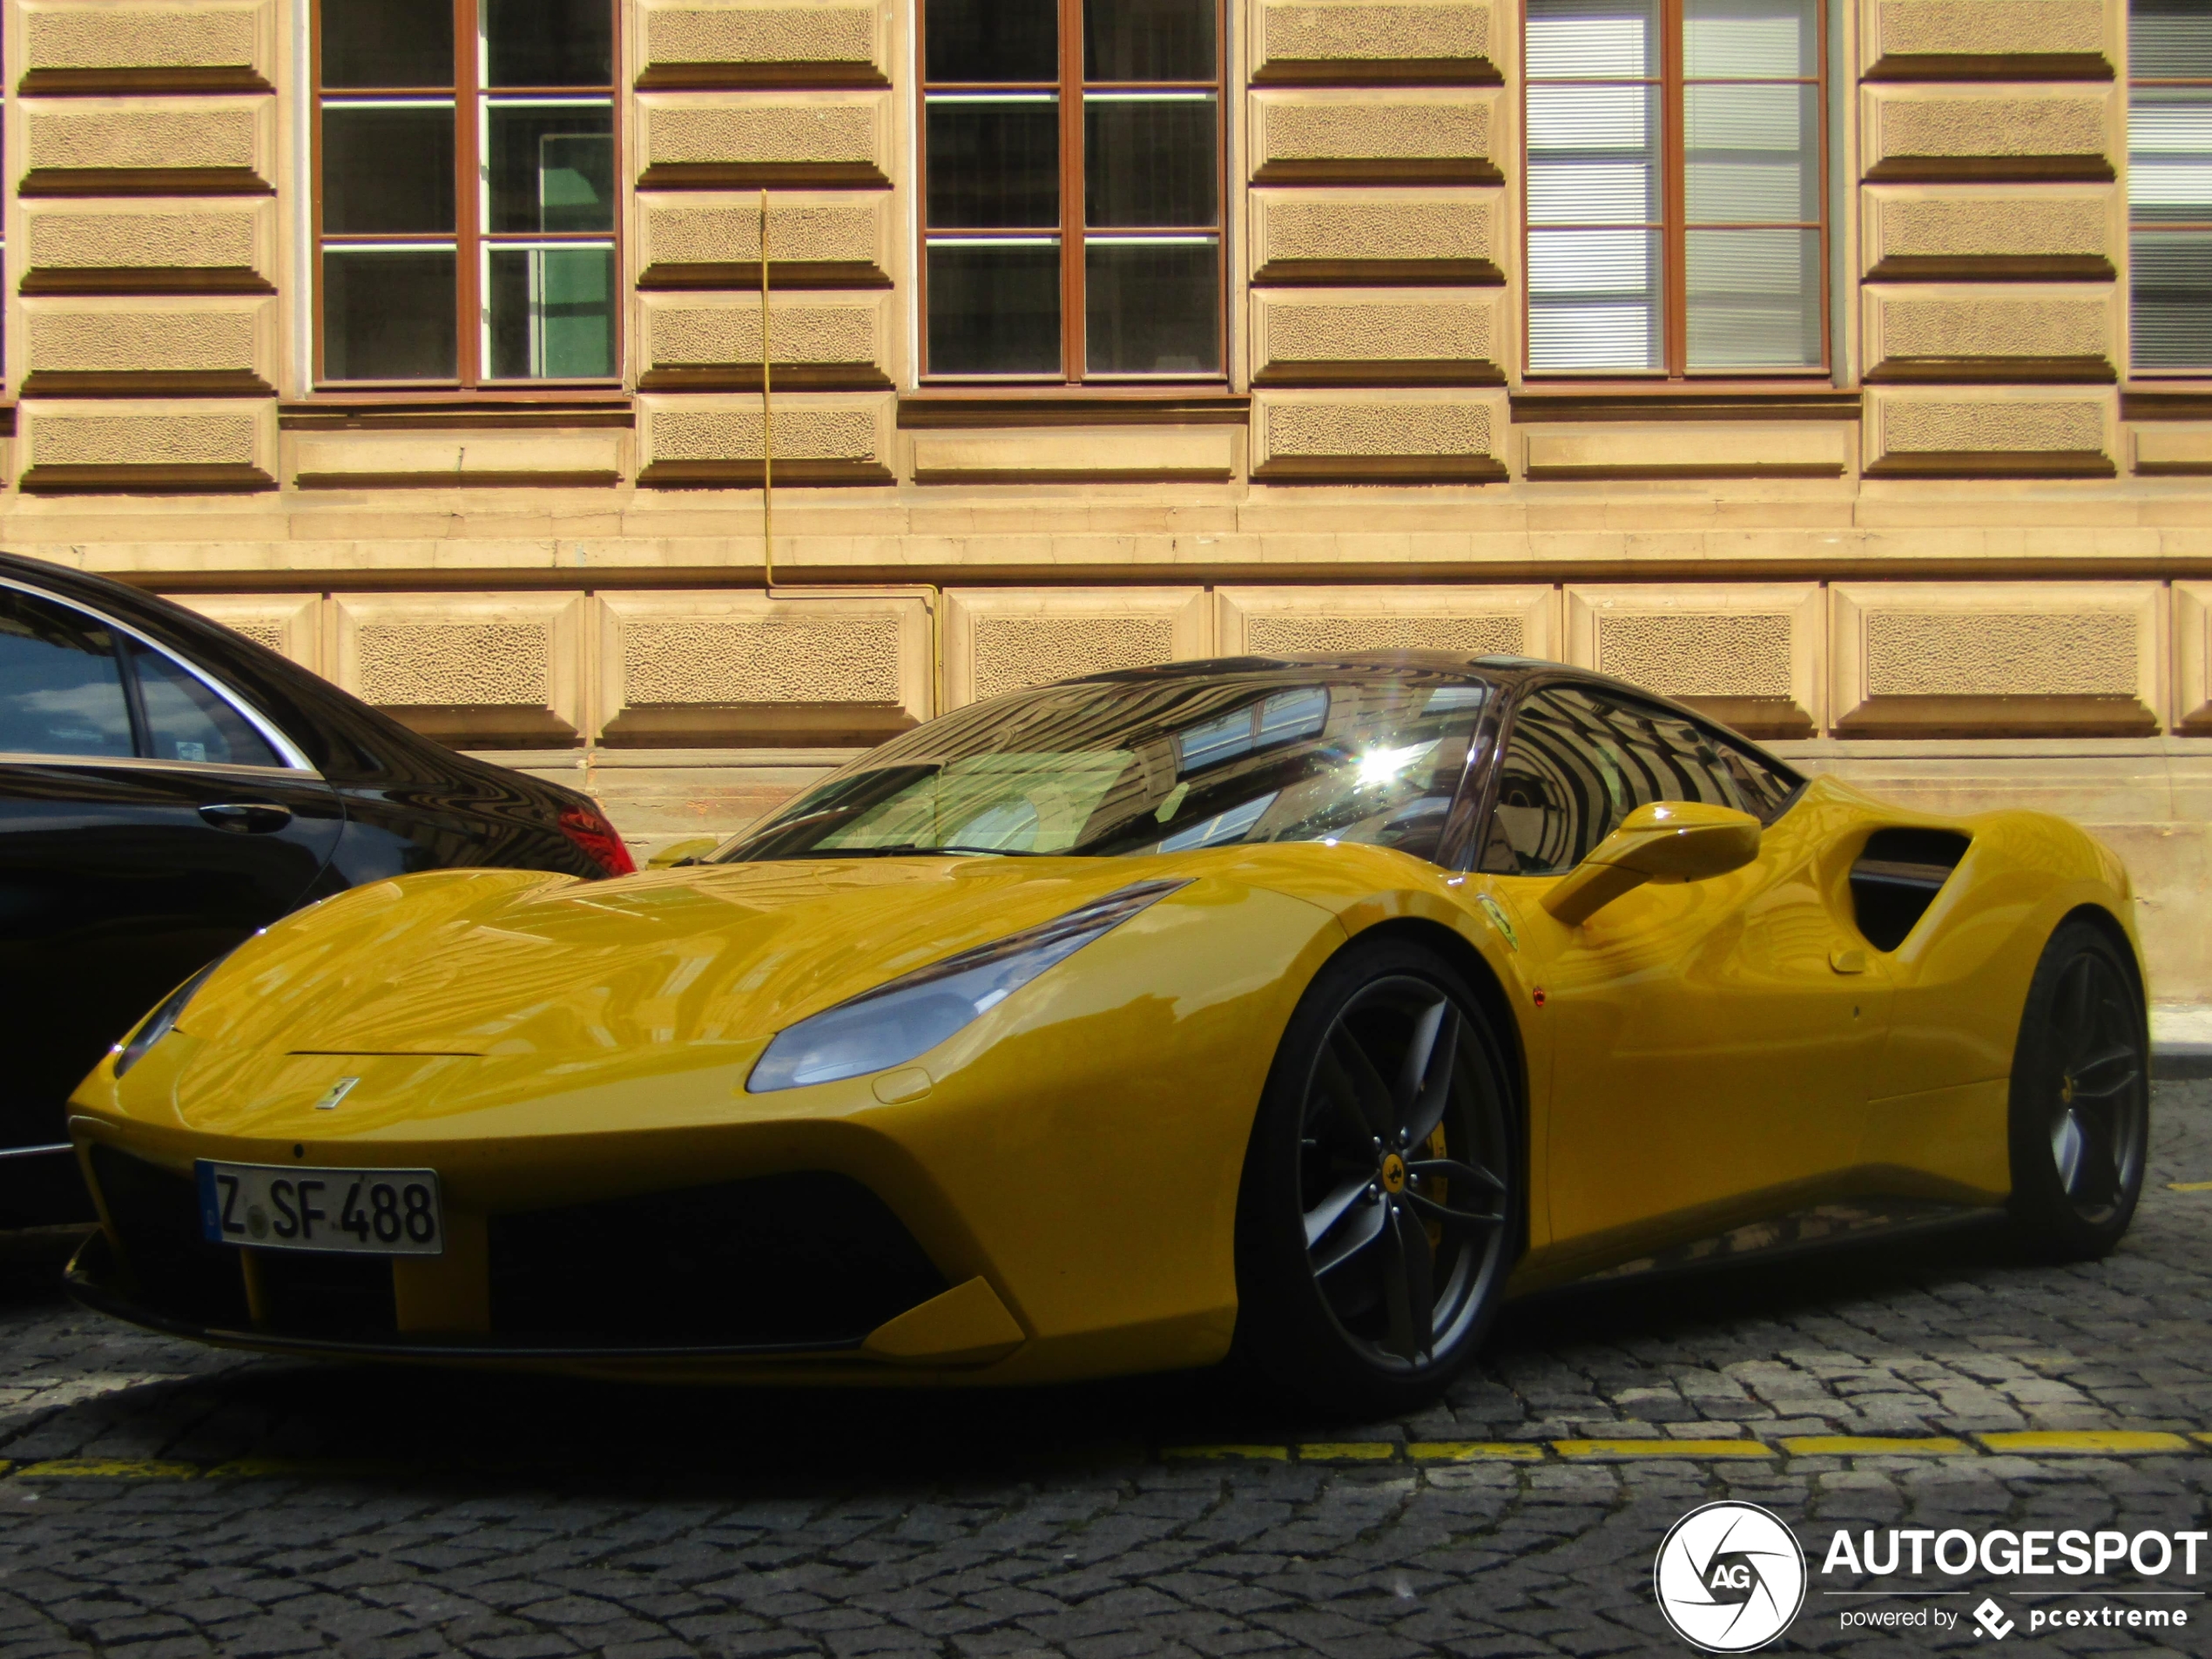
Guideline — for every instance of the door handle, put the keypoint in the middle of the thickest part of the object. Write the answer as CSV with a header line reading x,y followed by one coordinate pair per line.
x,y
1846,959
246,817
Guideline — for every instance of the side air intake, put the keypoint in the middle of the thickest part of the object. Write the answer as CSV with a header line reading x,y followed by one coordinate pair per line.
x,y
1898,877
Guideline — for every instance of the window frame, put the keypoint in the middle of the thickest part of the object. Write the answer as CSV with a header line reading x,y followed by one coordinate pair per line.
x,y
471,241
1071,233
2202,225
1674,223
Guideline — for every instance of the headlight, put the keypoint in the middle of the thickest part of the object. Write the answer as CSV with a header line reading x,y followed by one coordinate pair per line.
x,y
915,1012
160,1024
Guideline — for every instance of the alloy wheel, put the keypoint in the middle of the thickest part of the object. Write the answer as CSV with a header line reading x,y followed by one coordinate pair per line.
x,y
2096,1115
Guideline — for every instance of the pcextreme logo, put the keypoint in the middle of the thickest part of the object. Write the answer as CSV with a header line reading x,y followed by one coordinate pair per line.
x,y
1729,1577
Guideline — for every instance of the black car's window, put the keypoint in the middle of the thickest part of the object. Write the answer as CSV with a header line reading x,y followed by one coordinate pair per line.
x,y
185,721
1579,763
60,681
1105,768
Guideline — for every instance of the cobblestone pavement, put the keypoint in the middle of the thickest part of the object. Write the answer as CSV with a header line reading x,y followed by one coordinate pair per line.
x,y
403,1514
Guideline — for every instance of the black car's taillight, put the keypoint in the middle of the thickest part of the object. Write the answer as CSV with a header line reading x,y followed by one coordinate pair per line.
x,y
597,839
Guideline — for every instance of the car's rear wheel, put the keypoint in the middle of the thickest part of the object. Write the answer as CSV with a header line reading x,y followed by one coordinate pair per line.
x,y
1381,1199
2080,1098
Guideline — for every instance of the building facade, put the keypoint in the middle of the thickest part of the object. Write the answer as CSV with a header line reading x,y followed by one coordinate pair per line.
x,y
1844,367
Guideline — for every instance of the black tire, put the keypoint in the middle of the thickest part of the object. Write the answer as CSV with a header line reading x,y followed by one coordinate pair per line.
x,y
1384,1160
2080,1098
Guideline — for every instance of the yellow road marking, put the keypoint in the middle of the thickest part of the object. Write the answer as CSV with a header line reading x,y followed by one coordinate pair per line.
x,y
1662,1448
108,1468
2108,1442
2188,1186
1244,1454
1874,1446
1346,1450
1474,1450
252,1468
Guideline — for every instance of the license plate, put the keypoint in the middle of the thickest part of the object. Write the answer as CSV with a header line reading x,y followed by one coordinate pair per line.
x,y
275,1206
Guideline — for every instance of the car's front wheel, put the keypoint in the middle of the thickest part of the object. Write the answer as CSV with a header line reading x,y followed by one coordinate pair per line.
x,y
1381,1199
2080,1098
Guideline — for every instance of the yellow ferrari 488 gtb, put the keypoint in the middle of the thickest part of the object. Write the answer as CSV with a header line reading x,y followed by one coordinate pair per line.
x,y
1298,1008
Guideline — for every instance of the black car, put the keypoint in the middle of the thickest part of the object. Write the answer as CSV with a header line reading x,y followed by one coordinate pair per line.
x,y
166,788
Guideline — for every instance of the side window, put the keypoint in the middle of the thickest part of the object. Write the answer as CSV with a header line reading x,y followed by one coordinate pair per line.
x,y
61,682
1560,789
185,721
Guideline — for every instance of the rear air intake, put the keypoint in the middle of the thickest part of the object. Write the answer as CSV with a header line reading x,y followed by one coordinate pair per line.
x,y
1898,877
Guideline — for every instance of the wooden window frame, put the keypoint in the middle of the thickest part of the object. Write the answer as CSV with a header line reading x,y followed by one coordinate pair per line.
x,y
470,238
1068,91
2203,226
1675,225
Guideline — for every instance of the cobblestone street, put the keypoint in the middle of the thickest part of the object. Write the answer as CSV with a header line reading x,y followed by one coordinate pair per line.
x,y
162,1499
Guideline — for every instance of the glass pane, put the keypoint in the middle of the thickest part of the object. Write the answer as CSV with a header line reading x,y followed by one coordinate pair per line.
x,y
1753,298
1148,164
994,166
552,313
2169,155
386,315
1153,310
1593,155
551,169
1149,40
548,43
1592,40
185,721
1752,154
1751,39
61,691
387,172
992,40
1594,300
2173,299
386,42
994,310
2169,40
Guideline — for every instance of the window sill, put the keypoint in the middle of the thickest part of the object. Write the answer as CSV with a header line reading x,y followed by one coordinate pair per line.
x,y
944,408
2175,400
1807,399
405,410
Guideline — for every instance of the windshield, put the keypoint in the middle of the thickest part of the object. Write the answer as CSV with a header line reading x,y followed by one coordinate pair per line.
x,y
1103,769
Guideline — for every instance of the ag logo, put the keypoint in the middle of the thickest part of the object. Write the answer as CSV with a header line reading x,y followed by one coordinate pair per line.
x,y
1729,1577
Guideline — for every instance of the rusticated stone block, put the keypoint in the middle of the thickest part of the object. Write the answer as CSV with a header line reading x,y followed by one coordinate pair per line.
x,y
1352,138
119,444
1952,40
132,48
2055,233
1965,433
758,45
1364,236
1000,640
2044,134
287,623
1997,659
819,439
1367,436
791,138
2013,333
149,146
814,340
1431,41
1355,336
1470,621
711,668
1750,655
155,347
841,238
472,670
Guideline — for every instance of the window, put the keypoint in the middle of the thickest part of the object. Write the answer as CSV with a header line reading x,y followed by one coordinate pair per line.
x,y
2169,183
1677,210
1578,764
1072,151
465,209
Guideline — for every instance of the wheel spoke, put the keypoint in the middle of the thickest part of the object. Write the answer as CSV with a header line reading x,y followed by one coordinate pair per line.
x,y
2097,1175
1362,1085
1424,1086
2078,1026
1365,1226
1453,1169
2106,1075
1325,1214
2066,1149
1409,1295
1447,1216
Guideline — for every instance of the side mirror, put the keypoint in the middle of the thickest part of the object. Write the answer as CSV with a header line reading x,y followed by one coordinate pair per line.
x,y
1681,840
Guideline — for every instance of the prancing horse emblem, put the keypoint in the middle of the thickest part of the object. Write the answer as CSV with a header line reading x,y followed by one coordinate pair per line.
x,y
335,1093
